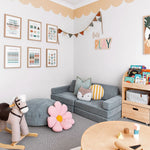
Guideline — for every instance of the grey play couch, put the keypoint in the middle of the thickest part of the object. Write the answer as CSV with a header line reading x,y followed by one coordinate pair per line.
x,y
109,108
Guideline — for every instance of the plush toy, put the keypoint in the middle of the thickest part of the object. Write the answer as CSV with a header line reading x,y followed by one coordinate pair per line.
x,y
59,118
14,115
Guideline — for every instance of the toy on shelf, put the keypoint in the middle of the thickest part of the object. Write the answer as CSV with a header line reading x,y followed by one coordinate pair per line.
x,y
136,131
126,131
14,115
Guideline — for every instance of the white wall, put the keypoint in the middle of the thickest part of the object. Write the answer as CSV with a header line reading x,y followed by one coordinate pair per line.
x,y
34,82
125,25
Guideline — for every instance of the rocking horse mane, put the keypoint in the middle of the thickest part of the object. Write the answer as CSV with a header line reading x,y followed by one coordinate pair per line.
x,y
4,111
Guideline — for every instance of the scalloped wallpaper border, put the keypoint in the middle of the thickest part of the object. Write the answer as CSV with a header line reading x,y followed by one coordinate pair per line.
x,y
94,7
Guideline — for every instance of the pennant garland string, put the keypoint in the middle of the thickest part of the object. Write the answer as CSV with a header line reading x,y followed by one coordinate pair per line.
x,y
98,18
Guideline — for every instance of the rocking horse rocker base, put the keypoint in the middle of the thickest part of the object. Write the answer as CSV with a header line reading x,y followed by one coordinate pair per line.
x,y
14,144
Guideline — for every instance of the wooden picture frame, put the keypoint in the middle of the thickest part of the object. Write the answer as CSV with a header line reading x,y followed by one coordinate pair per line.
x,y
34,30
51,57
35,53
146,34
51,33
12,56
12,26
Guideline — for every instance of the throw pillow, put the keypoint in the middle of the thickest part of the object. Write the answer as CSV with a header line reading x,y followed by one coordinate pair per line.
x,y
72,85
79,82
84,94
97,92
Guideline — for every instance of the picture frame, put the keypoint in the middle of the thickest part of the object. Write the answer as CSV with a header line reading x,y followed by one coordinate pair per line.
x,y
12,56
33,57
51,57
51,33
12,26
34,30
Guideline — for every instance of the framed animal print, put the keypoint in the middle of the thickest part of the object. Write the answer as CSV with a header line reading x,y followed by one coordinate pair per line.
x,y
34,30
12,56
51,33
33,57
12,26
51,58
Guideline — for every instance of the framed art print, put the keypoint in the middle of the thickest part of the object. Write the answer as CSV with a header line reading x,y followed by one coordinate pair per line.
x,y
12,26
51,58
51,33
146,31
34,57
12,56
34,30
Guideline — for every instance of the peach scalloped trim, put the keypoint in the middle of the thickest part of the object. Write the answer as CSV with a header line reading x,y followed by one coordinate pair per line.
x,y
65,11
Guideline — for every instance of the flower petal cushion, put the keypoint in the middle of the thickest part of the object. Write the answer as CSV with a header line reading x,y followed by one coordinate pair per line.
x,y
80,83
59,118
84,94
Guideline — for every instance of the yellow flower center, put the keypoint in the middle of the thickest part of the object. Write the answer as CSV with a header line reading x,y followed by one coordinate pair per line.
x,y
59,118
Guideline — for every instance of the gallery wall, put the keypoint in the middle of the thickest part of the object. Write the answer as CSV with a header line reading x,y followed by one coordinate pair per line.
x,y
124,24
35,82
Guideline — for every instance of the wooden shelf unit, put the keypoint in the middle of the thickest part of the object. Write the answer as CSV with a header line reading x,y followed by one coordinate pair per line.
x,y
133,110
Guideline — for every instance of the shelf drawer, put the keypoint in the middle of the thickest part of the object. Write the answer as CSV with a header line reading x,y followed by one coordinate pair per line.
x,y
136,113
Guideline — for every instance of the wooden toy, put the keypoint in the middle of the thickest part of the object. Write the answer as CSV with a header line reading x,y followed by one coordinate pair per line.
x,y
121,146
136,131
126,130
120,136
14,115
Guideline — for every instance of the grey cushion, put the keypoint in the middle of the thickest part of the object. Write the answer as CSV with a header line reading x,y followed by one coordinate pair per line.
x,y
60,89
72,85
95,107
37,114
112,102
95,117
109,91
66,97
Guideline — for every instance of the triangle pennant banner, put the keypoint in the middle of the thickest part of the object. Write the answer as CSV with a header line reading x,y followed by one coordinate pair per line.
x,y
95,19
82,32
70,35
59,30
76,34
98,14
99,19
91,24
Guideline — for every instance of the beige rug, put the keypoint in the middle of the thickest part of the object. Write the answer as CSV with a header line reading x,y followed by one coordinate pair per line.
x,y
77,148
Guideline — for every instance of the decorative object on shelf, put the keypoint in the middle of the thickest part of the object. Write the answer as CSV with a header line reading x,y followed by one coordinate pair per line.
x,y
103,43
120,136
136,131
51,58
34,30
12,56
126,131
51,33
146,21
12,26
129,79
60,118
34,57
97,18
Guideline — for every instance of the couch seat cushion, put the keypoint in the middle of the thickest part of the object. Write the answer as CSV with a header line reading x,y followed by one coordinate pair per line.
x,y
66,97
95,107
38,111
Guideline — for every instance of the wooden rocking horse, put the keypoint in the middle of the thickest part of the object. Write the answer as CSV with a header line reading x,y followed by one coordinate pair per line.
x,y
14,115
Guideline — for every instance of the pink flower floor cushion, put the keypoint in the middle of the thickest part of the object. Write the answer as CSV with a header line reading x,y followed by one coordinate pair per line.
x,y
60,118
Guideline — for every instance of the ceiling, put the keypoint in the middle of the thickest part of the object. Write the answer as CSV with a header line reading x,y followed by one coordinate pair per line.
x,y
73,4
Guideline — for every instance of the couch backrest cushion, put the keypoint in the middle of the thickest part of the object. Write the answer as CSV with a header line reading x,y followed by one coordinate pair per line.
x,y
72,85
109,91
